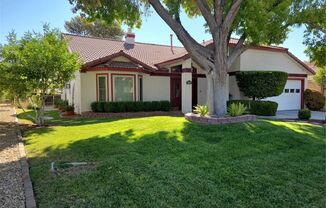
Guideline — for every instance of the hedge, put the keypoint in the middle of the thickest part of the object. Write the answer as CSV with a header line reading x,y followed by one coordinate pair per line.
x,y
304,114
261,108
261,84
314,100
117,107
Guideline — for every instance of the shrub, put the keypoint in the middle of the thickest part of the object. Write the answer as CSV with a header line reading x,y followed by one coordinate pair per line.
x,y
156,105
61,104
100,107
57,102
304,114
262,108
165,105
147,106
94,106
70,108
261,84
202,110
237,109
314,100
115,107
246,103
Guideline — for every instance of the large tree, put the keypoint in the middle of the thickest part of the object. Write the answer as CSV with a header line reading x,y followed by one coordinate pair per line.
x,y
254,21
12,84
98,28
36,65
313,16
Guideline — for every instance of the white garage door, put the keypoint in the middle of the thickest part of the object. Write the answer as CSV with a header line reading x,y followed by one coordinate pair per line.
x,y
290,99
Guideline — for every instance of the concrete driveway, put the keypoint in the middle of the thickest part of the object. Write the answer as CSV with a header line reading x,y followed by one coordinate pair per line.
x,y
293,114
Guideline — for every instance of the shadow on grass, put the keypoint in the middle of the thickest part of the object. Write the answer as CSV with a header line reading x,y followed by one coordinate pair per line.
x,y
261,164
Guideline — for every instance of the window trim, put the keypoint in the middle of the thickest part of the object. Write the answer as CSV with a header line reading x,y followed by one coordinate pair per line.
x,y
122,75
106,75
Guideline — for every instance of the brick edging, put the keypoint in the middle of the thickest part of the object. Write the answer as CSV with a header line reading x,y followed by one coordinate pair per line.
x,y
219,120
27,182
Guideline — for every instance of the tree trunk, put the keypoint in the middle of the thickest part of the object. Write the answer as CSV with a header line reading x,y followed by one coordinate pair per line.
x,y
221,92
220,84
217,92
210,98
41,116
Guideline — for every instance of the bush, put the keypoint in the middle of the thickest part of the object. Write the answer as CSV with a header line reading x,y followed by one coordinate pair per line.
x,y
261,84
304,114
202,110
165,105
237,109
314,100
115,107
147,106
262,108
97,106
94,106
61,104
70,108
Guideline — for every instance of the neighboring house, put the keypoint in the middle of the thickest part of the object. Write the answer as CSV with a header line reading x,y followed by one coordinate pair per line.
x,y
312,84
132,71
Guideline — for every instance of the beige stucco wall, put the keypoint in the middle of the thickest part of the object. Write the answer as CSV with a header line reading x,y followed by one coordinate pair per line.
x,y
88,88
202,91
121,58
73,94
253,59
88,82
156,88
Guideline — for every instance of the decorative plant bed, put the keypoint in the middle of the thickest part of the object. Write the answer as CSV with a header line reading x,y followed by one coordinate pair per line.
x,y
131,114
68,113
219,120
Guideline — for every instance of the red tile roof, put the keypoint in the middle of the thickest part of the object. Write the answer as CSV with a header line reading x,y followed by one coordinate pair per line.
x,y
92,48
95,50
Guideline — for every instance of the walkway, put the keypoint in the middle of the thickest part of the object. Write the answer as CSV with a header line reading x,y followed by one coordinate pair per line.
x,y
293,114
11,185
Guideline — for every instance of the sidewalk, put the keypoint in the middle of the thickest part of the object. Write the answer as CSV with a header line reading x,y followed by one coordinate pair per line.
x,y
11,184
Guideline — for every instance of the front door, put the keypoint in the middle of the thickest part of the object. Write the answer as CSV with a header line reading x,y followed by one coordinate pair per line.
x,y
176,93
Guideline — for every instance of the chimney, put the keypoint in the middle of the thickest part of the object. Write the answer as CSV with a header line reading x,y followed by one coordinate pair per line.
x,y
171,42
130,37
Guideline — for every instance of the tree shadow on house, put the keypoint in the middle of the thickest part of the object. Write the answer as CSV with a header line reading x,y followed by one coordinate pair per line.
x,y
201,166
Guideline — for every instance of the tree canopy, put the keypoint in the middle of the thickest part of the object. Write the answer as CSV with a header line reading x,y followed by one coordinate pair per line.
x,y
254,21
98,28
36,64
313,16
320,76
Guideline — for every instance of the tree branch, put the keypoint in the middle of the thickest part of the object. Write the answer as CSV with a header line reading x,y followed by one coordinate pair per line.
x,y
219,7
197,51
206,12
227,23
237,50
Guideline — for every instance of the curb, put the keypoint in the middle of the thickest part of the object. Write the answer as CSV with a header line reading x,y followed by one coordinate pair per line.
x,y
27,182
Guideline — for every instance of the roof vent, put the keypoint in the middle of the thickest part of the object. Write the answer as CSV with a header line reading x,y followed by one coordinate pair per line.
x,y
130,37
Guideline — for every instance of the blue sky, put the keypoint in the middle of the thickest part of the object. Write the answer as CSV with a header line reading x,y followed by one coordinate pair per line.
x,y
24,15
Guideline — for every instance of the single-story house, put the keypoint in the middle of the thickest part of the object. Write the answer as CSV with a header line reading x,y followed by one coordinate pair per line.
x,y
132,71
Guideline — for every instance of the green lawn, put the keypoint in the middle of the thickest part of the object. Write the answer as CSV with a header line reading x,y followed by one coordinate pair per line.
x,y
170,162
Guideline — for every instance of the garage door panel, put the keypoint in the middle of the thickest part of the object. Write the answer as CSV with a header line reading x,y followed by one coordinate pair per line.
x,y
290,99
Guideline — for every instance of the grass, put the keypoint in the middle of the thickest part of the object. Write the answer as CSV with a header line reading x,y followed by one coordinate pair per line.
x,y
169,162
